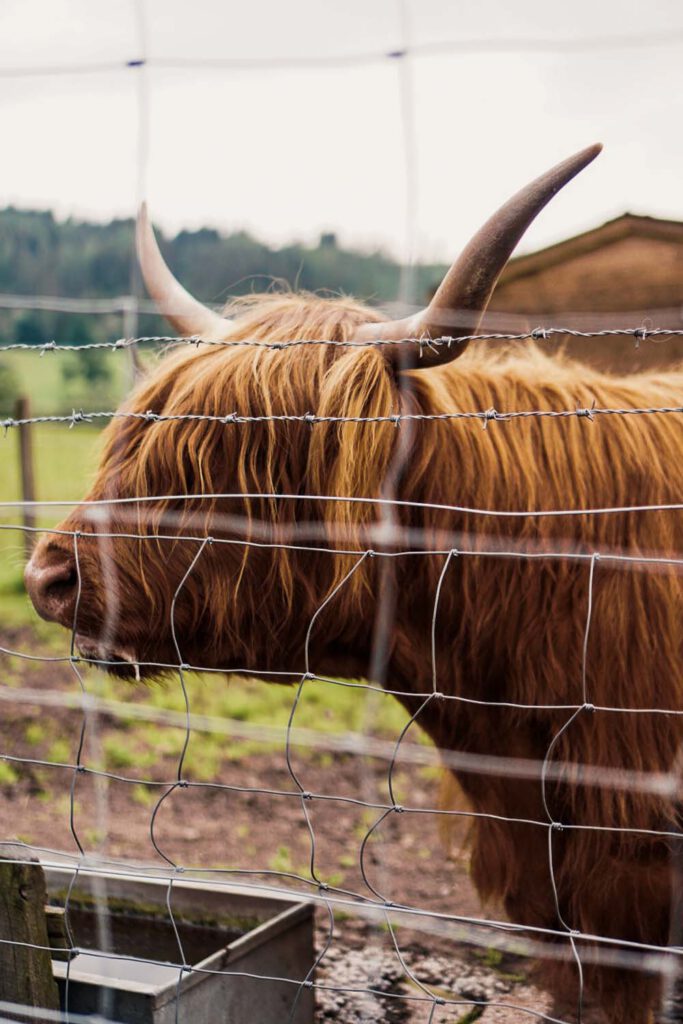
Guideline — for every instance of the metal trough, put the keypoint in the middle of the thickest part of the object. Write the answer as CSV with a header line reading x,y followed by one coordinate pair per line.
x,y
221,928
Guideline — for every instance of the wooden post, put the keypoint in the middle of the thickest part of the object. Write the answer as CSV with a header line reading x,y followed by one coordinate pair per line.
x,y
28,491
130,330
25,971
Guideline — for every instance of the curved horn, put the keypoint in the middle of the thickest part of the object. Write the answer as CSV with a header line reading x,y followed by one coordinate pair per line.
x,y
469,283
185,313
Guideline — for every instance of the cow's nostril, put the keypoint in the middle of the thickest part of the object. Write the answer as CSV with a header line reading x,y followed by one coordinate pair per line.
x,y
52,583
62,585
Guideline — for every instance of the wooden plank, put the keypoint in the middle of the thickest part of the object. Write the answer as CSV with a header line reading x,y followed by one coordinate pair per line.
x,y
26,968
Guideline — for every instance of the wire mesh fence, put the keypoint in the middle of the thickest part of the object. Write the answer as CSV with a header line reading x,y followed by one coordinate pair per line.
x,y
579,823
362,795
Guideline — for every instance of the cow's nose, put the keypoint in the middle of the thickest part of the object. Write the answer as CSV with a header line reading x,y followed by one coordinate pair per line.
x,y
51,580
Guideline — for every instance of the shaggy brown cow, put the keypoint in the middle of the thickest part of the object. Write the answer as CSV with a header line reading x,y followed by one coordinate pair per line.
x,y
509,631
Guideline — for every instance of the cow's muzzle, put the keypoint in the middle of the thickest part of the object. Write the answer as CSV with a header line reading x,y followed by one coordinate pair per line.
x,y
51,579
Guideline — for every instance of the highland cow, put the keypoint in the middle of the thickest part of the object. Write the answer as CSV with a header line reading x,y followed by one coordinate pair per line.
x,y
509,631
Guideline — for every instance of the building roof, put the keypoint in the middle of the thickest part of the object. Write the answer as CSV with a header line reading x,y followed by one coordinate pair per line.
x,y
626,273
628,225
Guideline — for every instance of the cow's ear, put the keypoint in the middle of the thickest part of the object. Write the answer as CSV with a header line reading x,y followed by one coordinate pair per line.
x,y
186,314
462,297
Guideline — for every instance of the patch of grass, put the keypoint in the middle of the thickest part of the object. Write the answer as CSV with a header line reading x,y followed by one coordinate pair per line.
x,y
62,470
474,1014
335,879
497,960
363,826
60,751
144,795
8,774
329,708
283,860
118,754
491,957
34,734
94,837
41,377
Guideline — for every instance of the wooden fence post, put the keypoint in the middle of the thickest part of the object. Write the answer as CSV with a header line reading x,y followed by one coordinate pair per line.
x,y
25,972
28,492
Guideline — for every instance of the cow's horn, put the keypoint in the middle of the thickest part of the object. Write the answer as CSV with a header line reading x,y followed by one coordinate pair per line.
x,y
188,316
469,283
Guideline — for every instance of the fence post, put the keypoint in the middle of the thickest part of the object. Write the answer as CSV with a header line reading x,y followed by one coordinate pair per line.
x,y
28,492
25,971
130,330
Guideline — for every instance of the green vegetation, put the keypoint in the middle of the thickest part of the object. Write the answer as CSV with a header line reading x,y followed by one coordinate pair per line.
x,y
474,1014
58,382
63,466
8,775
42,256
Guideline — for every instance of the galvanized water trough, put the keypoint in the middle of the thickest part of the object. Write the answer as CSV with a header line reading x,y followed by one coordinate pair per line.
x,y
221,928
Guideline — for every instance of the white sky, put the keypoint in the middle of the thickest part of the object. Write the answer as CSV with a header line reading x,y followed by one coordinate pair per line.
x,y
287,153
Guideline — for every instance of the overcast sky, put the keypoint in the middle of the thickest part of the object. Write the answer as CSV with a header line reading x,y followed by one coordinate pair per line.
x,y
288,151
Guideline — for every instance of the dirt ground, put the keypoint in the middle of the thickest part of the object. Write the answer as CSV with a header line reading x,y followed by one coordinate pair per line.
x,y
206,825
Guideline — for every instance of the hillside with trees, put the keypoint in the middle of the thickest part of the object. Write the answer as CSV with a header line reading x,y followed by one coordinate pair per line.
x,y
40,255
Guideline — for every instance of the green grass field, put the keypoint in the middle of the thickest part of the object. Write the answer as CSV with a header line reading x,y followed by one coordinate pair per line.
x,y
64,457
64,462
41,378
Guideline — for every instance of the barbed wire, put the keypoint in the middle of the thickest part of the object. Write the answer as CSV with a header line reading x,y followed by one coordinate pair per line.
x,y
639,334
396,419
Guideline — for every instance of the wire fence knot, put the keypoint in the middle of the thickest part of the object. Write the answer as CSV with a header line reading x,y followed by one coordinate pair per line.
x,y
492,414
78,416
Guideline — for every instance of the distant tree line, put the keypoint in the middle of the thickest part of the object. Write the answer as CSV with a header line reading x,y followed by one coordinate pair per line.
x,y
40,255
